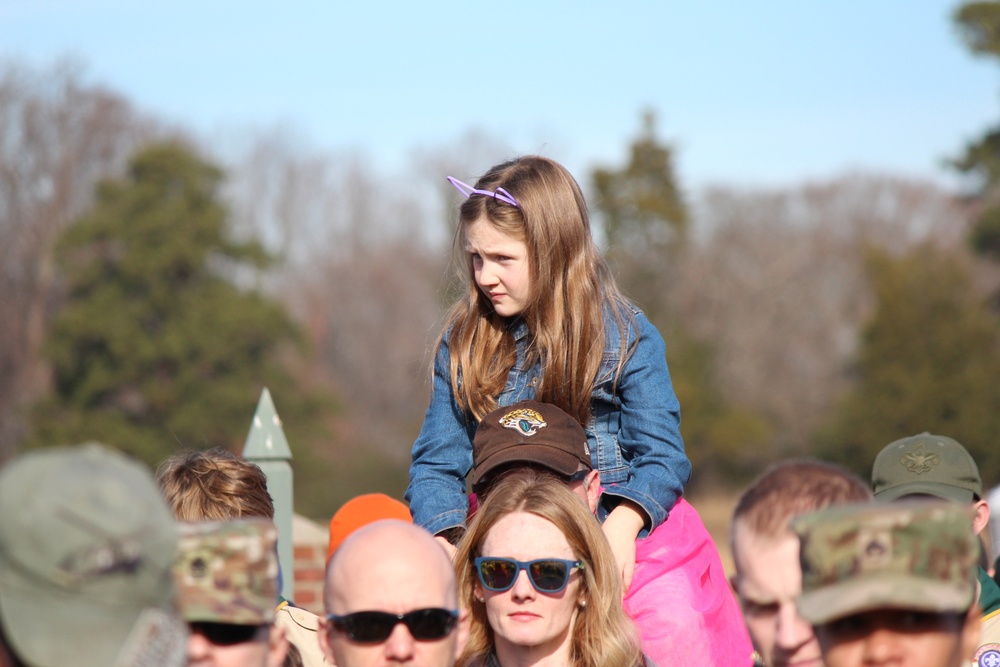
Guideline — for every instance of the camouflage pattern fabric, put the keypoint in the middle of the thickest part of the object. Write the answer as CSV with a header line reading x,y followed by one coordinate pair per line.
x,y
227,572
908,555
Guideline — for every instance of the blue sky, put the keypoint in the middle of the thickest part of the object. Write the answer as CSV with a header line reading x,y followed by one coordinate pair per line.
x,y
750,93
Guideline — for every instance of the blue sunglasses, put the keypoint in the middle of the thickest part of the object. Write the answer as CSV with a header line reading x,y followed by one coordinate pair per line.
x,y
547,575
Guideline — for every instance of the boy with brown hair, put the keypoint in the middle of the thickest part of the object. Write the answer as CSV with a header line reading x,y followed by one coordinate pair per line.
x,y
217,485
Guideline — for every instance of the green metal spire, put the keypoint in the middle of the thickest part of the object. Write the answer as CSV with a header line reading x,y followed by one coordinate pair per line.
x,y
267,446
266,439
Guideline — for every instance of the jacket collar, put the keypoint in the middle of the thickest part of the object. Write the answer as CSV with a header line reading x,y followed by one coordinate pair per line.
x,y
518,328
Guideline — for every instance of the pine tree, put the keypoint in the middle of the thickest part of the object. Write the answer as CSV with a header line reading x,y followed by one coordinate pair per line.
x,y
978,24
645,222
928,361
162,343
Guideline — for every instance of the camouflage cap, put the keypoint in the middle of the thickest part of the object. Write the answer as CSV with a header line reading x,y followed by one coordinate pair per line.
x,y
907,555
227,571
926,464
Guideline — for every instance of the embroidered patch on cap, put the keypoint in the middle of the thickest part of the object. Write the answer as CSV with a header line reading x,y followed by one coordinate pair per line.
x,y
874,548
919,460
525,421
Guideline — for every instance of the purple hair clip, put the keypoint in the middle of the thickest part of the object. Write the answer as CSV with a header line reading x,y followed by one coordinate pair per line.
x,y
500,194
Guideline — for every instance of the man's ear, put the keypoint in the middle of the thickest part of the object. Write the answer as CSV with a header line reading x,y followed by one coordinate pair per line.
x,y
278,646
463,629
982,516
323,634
592,483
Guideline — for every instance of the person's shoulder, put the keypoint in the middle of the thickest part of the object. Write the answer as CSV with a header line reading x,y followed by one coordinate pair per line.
x,y
303,618
989,592
621,316
988,648
300,627
620,307
627,319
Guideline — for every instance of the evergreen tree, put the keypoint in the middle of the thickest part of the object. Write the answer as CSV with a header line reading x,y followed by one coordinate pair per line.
x,y
641,205
725,443
161,343
644,218
927,361
979,26
645,222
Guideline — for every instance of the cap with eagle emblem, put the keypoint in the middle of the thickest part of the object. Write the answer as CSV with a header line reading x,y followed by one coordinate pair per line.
x,y
86,547
926,464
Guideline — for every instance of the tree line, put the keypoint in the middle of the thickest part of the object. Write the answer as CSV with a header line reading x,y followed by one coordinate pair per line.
x,y
154,281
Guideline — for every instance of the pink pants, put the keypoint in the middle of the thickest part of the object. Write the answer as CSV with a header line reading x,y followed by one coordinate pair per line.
x,y
681,600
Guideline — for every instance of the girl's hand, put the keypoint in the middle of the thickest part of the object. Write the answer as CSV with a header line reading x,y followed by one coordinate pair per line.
x,y
622,528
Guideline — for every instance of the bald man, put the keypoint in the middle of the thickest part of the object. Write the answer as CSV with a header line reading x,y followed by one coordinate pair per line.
x,y
391,599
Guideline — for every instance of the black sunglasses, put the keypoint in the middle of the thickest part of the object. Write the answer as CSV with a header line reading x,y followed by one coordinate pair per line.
x,y
225,634
547,575
372,627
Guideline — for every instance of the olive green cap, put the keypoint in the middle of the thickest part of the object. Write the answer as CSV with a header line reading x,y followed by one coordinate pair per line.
x,y
86,547
926,464
227,571
918,555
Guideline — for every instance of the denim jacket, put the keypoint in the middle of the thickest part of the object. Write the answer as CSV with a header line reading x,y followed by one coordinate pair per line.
x,y
634,431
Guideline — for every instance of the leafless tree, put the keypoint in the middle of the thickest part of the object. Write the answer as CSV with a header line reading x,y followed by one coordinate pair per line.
x,y
774,280
361,265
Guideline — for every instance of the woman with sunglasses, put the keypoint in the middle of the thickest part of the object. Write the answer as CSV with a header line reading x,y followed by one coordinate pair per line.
x,y
540,317
540,581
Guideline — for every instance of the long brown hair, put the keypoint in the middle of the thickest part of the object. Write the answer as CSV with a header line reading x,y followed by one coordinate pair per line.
x,y
571,289
603,635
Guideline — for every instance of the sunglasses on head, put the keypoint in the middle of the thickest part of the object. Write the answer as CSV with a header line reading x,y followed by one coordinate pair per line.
x,y
225,634
372,627
547,575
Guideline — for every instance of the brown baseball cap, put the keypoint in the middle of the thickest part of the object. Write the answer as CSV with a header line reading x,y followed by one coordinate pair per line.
x,y
531,433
